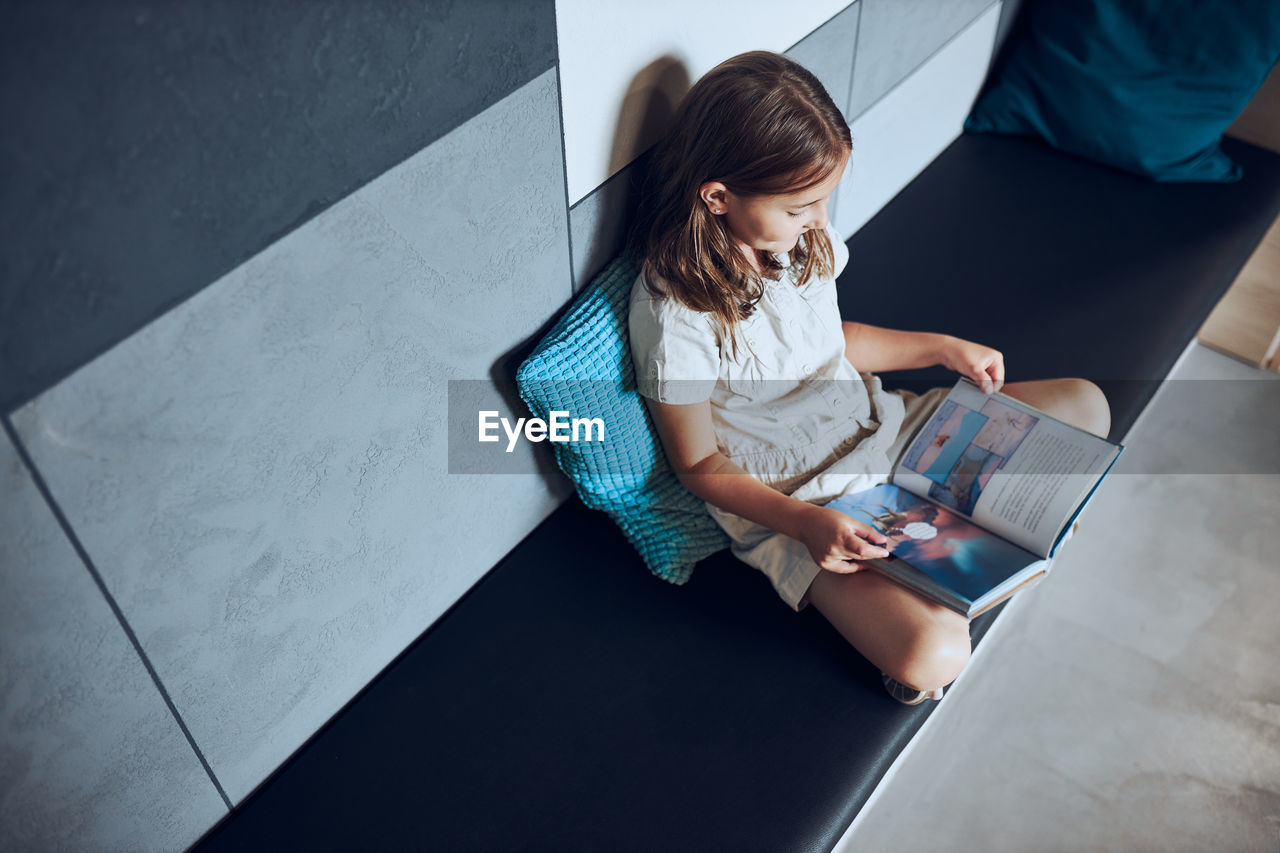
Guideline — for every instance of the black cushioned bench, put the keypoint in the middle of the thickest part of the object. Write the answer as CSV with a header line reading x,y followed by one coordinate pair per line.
x,y
571,701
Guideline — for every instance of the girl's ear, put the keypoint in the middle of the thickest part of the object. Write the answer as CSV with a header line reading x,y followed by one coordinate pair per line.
x,y
715,196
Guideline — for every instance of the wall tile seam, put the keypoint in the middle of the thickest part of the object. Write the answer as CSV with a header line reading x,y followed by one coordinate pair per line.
x,y
412,251
824,24
74,541
954,37
833,207
853,64
621,173
600,186
283,234
272,238
564,170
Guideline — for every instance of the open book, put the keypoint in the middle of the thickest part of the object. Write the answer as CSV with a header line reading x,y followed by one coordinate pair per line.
x,y
982,498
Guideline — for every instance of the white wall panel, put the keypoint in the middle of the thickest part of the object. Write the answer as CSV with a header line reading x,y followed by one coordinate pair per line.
x,y
901,134
624,66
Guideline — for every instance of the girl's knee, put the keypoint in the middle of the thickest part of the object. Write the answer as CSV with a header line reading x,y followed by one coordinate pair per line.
x,y
1093,413
1079,402
935,655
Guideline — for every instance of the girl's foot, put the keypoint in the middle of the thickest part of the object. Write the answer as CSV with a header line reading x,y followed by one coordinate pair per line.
x,y
907,695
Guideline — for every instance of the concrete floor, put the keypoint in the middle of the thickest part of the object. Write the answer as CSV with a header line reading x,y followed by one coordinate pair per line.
x,y
1131,701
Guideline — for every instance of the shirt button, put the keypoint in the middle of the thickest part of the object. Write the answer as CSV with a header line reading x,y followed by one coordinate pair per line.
x,y
836,401
805,368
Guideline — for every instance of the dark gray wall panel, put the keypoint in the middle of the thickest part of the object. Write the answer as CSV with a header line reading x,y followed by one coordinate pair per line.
x,y
148,148
600,222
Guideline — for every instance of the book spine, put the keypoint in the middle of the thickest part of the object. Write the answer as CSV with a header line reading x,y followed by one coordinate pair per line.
x,y
907,575
1029,582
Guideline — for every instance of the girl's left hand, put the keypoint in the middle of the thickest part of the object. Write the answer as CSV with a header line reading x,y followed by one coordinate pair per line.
x,y
983,365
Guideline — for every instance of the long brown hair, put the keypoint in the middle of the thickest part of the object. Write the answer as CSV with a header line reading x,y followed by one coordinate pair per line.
x,y
761,124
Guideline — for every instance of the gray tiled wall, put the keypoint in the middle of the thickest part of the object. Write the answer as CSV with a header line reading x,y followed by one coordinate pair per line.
x,y
600,221
260,475
90,757
829,54
885,56
148,148
248,256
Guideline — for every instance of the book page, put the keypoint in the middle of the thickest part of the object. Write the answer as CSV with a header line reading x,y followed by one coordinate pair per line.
x,y
1015,470
937,552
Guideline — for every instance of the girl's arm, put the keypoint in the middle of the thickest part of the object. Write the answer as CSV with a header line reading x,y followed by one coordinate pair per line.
x,y
873,349
688,438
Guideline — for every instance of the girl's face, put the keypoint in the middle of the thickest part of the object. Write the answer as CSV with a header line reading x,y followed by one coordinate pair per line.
x,y
771,223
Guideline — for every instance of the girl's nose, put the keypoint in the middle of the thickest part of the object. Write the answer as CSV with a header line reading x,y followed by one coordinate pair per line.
x,y
819,218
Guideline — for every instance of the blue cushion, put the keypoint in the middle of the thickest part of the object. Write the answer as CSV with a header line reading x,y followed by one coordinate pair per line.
x,y
583,367
1147,86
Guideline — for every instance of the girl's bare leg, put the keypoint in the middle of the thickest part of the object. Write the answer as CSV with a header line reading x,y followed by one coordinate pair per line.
x,y
1077,401
919,643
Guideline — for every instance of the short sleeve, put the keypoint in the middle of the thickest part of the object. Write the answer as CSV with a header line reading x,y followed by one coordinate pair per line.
x,y
838,249
674,348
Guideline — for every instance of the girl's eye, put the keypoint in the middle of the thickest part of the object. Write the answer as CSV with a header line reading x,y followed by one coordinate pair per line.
x,y
789,213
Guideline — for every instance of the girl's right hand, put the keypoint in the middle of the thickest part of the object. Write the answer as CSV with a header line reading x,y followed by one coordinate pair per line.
x,y
834,540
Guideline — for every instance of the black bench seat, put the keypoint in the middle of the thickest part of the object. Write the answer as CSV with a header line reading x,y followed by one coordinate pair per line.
x,y
1067,267
571,701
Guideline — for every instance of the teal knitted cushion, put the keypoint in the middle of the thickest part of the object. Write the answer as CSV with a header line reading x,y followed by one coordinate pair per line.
x,y
583,368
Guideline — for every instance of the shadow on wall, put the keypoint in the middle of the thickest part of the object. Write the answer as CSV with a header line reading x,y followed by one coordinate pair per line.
x,y
647,109
644,115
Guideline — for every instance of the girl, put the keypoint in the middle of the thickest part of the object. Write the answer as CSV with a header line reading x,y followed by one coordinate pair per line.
x,y
750,374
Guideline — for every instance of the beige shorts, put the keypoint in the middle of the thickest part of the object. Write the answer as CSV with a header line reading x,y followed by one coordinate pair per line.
x,y
786,561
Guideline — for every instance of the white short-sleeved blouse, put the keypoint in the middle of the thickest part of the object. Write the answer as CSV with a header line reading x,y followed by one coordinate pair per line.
x,y
789,408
